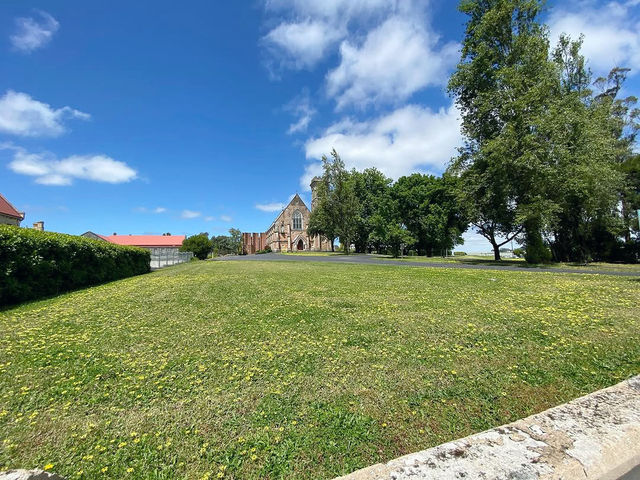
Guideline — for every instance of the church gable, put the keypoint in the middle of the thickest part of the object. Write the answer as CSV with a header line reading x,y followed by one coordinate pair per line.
x,y
288,232
296,203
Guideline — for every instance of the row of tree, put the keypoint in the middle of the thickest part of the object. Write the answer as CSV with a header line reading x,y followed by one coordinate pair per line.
x,y
548,157
201,245
369,212
549,154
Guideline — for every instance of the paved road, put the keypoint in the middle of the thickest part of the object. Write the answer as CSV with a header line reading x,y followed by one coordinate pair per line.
x,y
373,260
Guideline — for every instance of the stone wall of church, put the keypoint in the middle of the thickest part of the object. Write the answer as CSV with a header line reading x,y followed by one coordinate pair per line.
x,y
282,236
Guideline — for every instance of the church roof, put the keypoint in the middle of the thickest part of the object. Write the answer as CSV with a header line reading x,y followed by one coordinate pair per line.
x,y
299,202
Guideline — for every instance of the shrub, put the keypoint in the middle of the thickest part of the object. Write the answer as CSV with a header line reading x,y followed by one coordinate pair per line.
x,y
459,254
35,264
199,245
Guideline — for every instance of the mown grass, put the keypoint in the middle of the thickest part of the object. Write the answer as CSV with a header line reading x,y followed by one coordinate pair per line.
x,y
297,370
486,260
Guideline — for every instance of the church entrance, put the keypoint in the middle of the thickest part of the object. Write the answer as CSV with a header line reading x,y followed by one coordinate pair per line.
x,y
300,245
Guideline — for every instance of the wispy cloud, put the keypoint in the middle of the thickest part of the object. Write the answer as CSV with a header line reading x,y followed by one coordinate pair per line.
x,y
33,33
226,218
22,115
150,210
48,170
270,207
300,107
188,214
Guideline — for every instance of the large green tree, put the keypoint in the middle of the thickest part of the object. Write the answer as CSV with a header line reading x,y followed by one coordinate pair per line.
x,y
199,245
431,211
501,87
235,240
371,187
543,154
584,181
337,209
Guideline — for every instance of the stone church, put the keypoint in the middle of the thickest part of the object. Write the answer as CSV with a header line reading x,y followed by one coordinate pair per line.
x,y
288,232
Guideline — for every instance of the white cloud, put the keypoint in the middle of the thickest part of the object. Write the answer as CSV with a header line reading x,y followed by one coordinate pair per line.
x,y
209,219
611,31
270,207
409,139
301,44
48,170
159,210
33,33
226,218
396,59
190,214
311,30
22,115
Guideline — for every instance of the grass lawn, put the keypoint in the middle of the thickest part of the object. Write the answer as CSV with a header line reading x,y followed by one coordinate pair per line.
x,y
297,370
520,262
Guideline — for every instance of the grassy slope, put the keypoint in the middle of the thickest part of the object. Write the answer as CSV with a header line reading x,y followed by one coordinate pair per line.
x,y
281,370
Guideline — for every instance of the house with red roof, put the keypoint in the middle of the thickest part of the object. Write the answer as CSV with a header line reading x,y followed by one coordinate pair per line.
x,y
9,215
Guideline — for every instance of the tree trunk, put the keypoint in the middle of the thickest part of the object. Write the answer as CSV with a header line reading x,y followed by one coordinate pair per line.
x,y
496,251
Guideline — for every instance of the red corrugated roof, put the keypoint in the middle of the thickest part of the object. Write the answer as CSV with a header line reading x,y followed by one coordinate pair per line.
x,y
147,240
9,210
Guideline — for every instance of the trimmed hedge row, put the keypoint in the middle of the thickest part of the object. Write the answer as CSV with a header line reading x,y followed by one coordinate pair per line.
x,y
35,264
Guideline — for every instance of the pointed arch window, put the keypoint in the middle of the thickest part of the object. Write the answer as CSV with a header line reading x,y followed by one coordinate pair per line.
x,y
297,220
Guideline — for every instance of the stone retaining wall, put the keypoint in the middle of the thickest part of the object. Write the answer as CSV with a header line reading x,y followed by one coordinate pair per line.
x,y
594,437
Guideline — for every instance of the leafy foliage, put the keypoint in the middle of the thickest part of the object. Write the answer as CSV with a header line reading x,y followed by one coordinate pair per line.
x,y
542,152
369,211
35,264
337,208
199,245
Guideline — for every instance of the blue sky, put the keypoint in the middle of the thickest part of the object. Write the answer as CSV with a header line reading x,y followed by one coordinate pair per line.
x,y
152,117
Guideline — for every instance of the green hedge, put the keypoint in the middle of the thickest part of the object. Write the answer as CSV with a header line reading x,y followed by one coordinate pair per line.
x,y
36,264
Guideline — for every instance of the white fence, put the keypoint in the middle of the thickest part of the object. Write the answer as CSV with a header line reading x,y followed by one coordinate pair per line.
x,y
163,257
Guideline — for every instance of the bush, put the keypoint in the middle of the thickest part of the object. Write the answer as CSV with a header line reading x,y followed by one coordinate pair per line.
x,y
459,254
199,245
35,264
265,250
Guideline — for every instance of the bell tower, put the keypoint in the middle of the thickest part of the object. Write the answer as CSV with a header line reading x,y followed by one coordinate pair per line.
x,y
315,181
